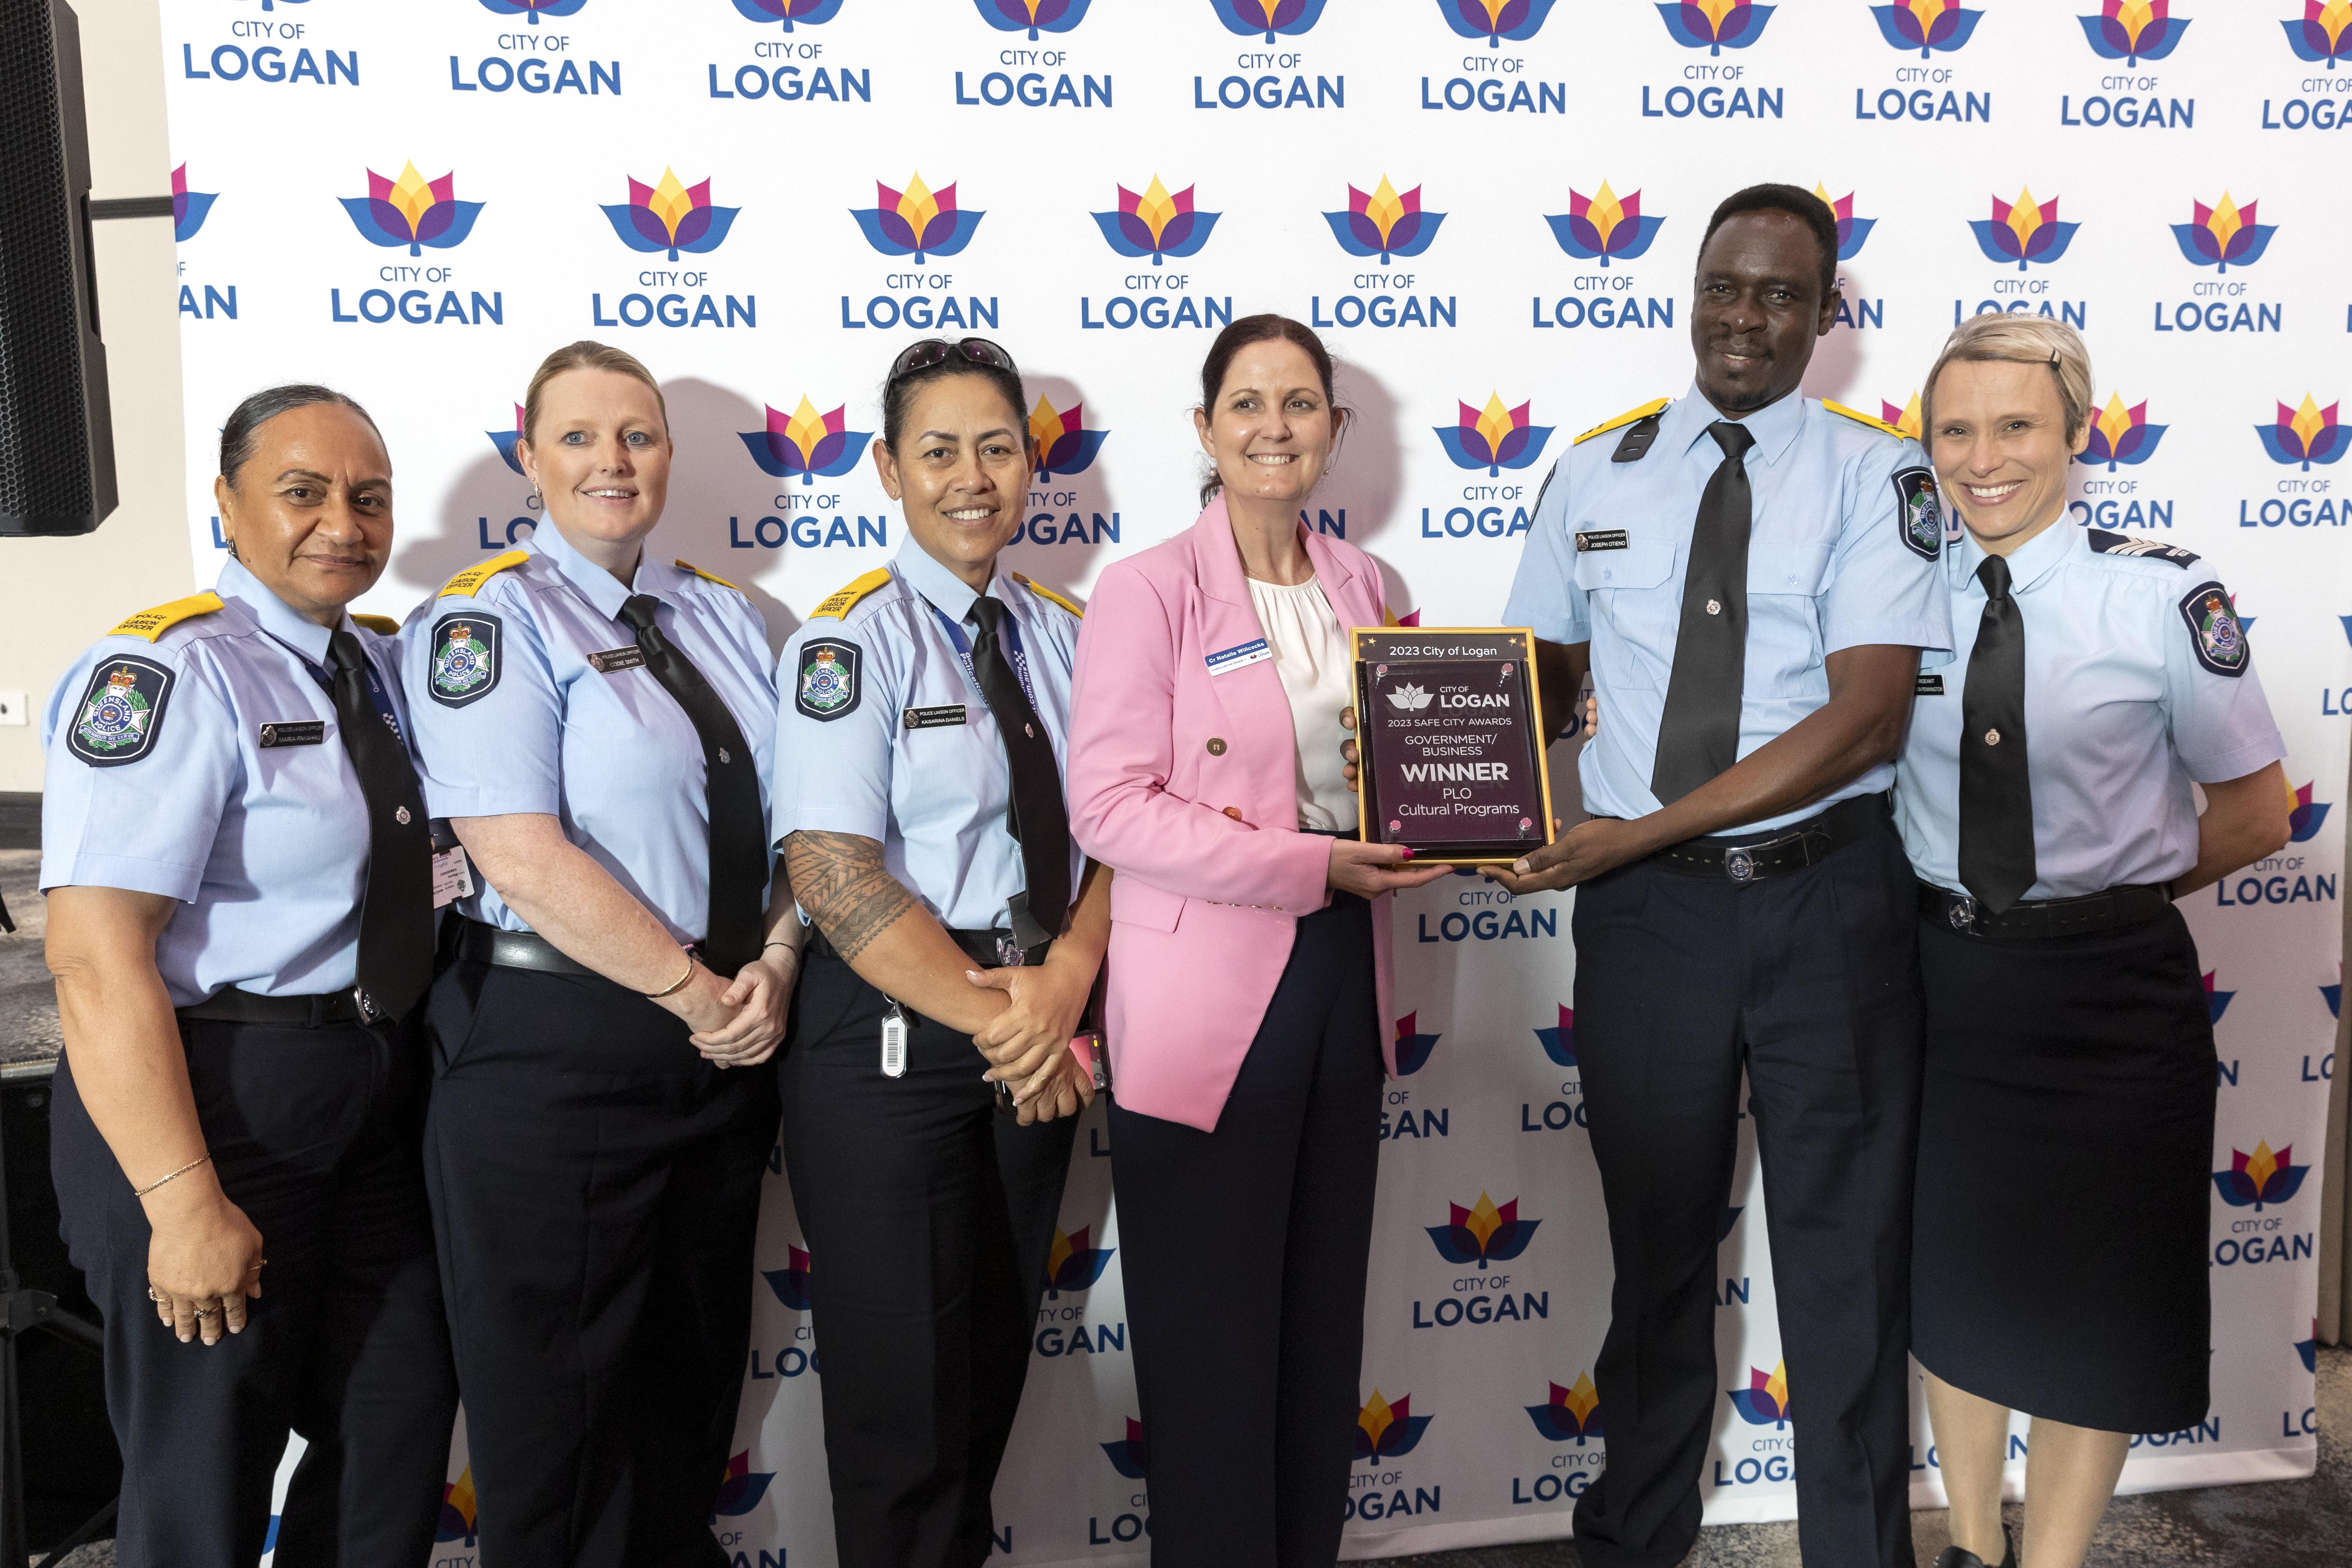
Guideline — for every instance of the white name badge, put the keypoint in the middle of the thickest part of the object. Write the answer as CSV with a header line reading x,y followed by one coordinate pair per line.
x,y
453,877
1229,659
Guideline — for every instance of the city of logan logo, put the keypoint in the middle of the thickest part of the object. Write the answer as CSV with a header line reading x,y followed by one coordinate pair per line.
x,y
458,1510
188,207
2023,231
2304,435
504,440
916,222
1061,440
1386,1430
741,1488
1156,223
534,9
2319,35
672,216
1603,228
2134,30
2261,1177
1930,27
412,211
791,1282
1851,231
1715,26
1572,1412
1494,20
2218,236
1035,16
1129,1458
1071,1264
1493,438
1559,1042
2121,435
1906,418
806,443
1287,19
1765,1401
1384,223
2302,823
1482,1234
806,13
1412,1048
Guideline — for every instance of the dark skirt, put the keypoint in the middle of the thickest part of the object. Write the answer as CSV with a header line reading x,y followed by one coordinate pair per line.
x,y
2065,1141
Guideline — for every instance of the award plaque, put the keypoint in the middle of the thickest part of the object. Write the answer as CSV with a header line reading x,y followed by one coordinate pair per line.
x,y
1450,739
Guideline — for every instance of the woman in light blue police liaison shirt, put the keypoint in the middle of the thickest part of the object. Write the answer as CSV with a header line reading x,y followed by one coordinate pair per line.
x,y
2044,797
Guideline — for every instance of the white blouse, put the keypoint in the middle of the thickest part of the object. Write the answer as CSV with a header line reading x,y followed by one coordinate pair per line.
x,y
1311,653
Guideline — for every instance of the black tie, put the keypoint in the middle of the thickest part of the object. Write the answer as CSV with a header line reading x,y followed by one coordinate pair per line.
x,y
1699,735
1039,821
395,960
1996,795
739,832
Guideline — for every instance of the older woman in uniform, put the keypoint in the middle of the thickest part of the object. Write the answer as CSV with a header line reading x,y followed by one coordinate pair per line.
x,y
2044,795
240,883
595,722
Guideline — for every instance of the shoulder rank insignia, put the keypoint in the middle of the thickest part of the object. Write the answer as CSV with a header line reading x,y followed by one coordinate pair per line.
x,y
1655,406
469,581
2213,630
2106,541
152,623
845,599
1049,593
1859,418
382,625
706,576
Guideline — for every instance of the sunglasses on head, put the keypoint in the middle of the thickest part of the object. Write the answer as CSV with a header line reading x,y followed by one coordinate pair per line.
x,y
939,351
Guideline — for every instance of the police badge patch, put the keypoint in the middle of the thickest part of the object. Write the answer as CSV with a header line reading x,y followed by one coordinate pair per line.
x,y
829,686
121,711
2214,631
1919,511
467,659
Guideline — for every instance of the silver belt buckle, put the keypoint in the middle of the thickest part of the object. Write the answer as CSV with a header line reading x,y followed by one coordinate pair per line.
x,y
1964,912
1740,866
1008,952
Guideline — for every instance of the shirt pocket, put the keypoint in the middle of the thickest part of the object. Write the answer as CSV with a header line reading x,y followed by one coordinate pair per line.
x,y
1788,569
1644,564
1637,599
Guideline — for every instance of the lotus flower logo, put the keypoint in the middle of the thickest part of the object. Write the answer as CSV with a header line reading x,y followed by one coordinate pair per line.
x,y
1287,17
1156,223
2320,35
1129,1458
2134,30
1411,1048
740,1488
1036,15
1560,1041
1071,1265
1926,25
1383,223
1715,26
806,13
808,443
1904,419
412,211
790,1283
1851,231
2023,231
1064,446
2261,1177
504,440
2219,236
671,216
1387,1431
1493,438
917,221
2121,435
534,9
2216,1002
1494,20
2307,435
1409,699
1482,1234
1765,1401
2302,823
456,1509
188,207
1601,226
1571,1413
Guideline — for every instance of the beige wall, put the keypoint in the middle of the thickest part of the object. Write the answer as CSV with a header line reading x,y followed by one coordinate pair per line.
x,y
63,594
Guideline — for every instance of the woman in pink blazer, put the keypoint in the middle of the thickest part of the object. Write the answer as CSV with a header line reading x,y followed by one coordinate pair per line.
x,y
1248,969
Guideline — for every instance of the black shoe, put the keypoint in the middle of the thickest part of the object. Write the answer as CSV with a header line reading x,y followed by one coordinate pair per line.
x,y
1954,1557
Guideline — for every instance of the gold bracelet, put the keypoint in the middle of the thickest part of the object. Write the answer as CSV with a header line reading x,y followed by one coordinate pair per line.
x,y
183,1171
674,985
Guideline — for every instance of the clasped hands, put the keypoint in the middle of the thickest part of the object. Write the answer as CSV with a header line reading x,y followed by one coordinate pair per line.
x,y
1028,1043
739,1023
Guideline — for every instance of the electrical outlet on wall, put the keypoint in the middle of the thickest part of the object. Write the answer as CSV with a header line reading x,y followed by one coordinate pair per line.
x,y
12,708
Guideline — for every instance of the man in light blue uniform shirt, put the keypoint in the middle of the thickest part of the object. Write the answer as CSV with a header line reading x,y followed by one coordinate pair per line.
x,y
1752,580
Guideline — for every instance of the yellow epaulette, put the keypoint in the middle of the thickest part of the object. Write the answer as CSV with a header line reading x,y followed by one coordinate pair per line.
x,y
845,598
706,576
1859,418
152,623
384,626
466,583
1655,406
1049,593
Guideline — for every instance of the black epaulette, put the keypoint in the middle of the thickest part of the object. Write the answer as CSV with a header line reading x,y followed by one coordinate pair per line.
x,y
1634,445
2105,541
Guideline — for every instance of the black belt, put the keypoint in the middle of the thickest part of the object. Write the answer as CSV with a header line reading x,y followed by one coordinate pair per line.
x,y
231,1006
1745,859
480,944
2130,905
991,949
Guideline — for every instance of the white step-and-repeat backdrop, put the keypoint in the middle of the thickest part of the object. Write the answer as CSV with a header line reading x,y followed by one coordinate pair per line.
x,y
1490,207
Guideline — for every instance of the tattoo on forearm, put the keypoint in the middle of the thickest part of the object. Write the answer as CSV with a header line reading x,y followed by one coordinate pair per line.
x,y
840,882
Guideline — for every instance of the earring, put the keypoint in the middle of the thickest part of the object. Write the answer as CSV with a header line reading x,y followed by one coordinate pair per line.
x,y
233,555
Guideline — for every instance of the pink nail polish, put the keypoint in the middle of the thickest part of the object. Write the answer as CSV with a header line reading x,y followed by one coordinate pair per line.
x,y
1408,851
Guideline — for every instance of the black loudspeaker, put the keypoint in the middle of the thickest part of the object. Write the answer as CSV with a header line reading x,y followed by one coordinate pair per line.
x,y
57,434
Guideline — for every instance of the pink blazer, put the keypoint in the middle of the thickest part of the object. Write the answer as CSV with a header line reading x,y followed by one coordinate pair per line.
x,y
1185,784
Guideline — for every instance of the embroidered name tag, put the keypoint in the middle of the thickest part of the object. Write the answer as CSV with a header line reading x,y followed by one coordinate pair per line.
x,y
1929,686
613,660
1227,660
293,732
1602,538
933,718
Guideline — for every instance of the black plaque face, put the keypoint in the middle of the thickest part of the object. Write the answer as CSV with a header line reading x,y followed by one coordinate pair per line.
x,y
1453,743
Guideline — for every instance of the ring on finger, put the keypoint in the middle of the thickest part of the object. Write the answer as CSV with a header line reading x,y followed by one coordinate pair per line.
x,y
211,1312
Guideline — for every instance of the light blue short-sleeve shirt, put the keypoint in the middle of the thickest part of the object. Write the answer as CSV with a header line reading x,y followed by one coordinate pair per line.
x,y
516,711
1845,552
207,766
884,732
2137,680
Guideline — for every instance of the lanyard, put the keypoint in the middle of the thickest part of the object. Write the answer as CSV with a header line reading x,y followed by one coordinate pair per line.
x,y
1019,656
